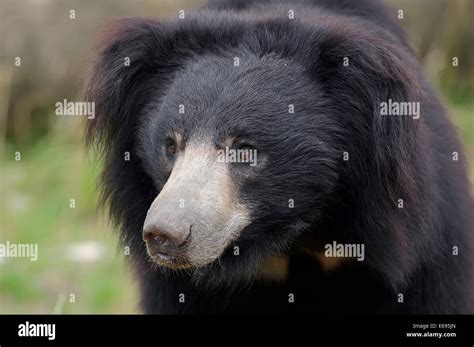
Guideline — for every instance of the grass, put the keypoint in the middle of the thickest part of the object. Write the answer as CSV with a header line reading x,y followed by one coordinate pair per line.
x,y
77,251
78,255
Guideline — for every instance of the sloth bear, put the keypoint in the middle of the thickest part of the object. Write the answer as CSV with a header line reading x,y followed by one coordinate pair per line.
x,y
284,156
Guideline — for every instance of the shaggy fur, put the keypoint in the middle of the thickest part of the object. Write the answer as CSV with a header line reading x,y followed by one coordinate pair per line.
x,y
291,61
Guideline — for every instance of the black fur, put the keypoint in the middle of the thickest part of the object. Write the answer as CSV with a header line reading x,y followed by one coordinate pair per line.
x,y
300,62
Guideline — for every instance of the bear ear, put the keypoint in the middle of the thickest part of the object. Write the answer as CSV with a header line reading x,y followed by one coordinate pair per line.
x,y
360,71
134,54
137,59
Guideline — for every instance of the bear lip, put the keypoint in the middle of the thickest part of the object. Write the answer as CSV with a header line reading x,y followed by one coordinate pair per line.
x,y
164,256
169,261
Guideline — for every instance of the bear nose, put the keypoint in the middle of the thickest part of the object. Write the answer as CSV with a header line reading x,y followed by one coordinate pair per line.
x,y
162,239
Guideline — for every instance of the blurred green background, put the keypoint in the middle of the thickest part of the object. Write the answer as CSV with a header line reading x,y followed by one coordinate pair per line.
x,y
80,267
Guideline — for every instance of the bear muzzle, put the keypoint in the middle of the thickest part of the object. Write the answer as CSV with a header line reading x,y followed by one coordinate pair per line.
x,y
196,215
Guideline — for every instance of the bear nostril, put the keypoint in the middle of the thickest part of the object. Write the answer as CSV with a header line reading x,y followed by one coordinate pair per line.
x,y
162,239
157,238
158,244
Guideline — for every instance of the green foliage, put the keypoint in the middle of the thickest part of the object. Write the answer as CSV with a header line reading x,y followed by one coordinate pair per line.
x,y
36,193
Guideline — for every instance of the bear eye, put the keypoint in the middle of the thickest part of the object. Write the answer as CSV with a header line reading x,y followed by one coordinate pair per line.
x,y
171,147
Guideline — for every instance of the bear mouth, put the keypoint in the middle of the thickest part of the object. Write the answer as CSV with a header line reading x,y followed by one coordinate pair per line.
x,y
170,261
